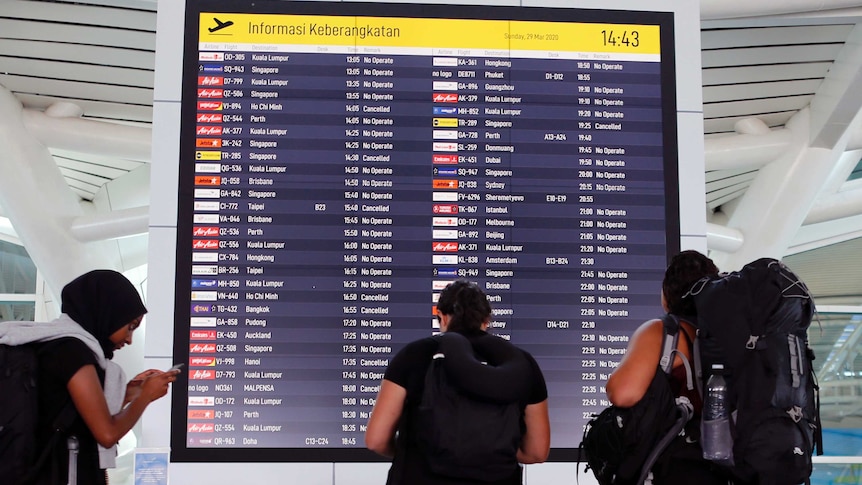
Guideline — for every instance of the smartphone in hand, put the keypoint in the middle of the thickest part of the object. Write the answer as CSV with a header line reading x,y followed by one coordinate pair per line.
x,y
176,367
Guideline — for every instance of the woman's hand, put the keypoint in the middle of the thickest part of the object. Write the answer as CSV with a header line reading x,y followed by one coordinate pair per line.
x,y
133,387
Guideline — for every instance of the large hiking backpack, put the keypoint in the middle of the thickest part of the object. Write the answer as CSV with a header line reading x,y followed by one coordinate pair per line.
x,y
20,455
620,445
754,322
468,424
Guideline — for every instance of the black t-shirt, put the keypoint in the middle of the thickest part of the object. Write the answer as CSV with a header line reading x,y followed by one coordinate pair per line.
x,y
59,360
408,369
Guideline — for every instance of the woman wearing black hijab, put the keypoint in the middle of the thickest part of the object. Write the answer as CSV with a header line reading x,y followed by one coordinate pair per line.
x,y
101,310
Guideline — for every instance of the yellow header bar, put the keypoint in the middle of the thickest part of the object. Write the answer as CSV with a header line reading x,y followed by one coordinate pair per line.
x,y
428,33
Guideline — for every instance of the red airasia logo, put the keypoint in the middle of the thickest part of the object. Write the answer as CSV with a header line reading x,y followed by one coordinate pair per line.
x,y
445,208
208,130
445,247
202,375
205,244
201,428
210,93
205,231
445,98
202,348
209,118
210,81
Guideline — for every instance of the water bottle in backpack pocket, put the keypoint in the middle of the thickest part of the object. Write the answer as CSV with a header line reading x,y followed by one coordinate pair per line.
x,y
715,425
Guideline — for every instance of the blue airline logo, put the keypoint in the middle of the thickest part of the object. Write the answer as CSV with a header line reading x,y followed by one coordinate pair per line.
x,y
211,68
445,110
204,283
446,171
446,272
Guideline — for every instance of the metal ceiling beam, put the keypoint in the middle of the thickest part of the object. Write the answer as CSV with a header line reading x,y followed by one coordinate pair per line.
x,y
728,9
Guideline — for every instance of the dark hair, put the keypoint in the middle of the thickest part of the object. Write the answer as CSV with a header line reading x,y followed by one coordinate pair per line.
x,y
684,270
102,301
466,304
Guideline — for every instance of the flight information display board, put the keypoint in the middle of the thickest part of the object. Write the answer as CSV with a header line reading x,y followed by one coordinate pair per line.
x,y
341,163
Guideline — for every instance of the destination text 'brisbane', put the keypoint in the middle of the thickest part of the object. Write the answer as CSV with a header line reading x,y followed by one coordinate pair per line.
x,y
325,30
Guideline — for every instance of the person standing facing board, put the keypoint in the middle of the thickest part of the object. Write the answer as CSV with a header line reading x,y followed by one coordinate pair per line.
x,y
462,308
101,310
682,462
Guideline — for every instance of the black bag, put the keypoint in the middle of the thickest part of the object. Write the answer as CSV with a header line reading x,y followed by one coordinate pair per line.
x,y
20,455
621,444
755,322
468,425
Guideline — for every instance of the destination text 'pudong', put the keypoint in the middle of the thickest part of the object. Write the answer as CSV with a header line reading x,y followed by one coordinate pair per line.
x,y
324,30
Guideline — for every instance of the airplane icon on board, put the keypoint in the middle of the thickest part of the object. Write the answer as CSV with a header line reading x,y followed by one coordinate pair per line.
x,y
220,25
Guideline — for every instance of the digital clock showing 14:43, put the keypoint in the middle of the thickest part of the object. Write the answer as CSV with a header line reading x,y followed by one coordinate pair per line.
x,y
627,38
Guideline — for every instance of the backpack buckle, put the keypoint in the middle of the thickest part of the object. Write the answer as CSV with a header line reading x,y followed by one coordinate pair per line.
x,y
752,342
795,413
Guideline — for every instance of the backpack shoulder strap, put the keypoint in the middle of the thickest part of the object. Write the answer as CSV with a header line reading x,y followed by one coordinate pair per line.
x,y
670,342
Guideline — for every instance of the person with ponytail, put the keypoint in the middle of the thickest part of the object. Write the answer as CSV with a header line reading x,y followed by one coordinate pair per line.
x,y
79,383
462,309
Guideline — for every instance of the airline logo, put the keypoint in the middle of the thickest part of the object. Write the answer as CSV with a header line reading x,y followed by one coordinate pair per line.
x,y
207,180
445,122
205,244
202,322
435,324
443,273
202,361
205,270
202,375
209,106
211,68
201,401
439,146
210,117
202,335
444,247
204,296
445,172
202,348
207,193
208,142
444,259
442,159
201,205
210,81
205,219
445,208
201,428
211,56
444,221
210,93
208,130
435,297
444,234
201,308
207,168
444,97
445,86
197,283
437,184
444,196
205,231
438,285
208,155
204,257
445,61
201,414
445,110
445,134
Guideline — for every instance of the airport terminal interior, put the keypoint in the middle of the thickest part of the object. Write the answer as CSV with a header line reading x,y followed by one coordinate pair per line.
x,y
782,138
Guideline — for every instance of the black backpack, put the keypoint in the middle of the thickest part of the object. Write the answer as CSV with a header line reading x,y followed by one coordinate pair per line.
x,y
754,322
620,445
20,454
468,424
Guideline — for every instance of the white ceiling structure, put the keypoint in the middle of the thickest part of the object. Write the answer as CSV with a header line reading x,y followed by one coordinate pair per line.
x,y
782,92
